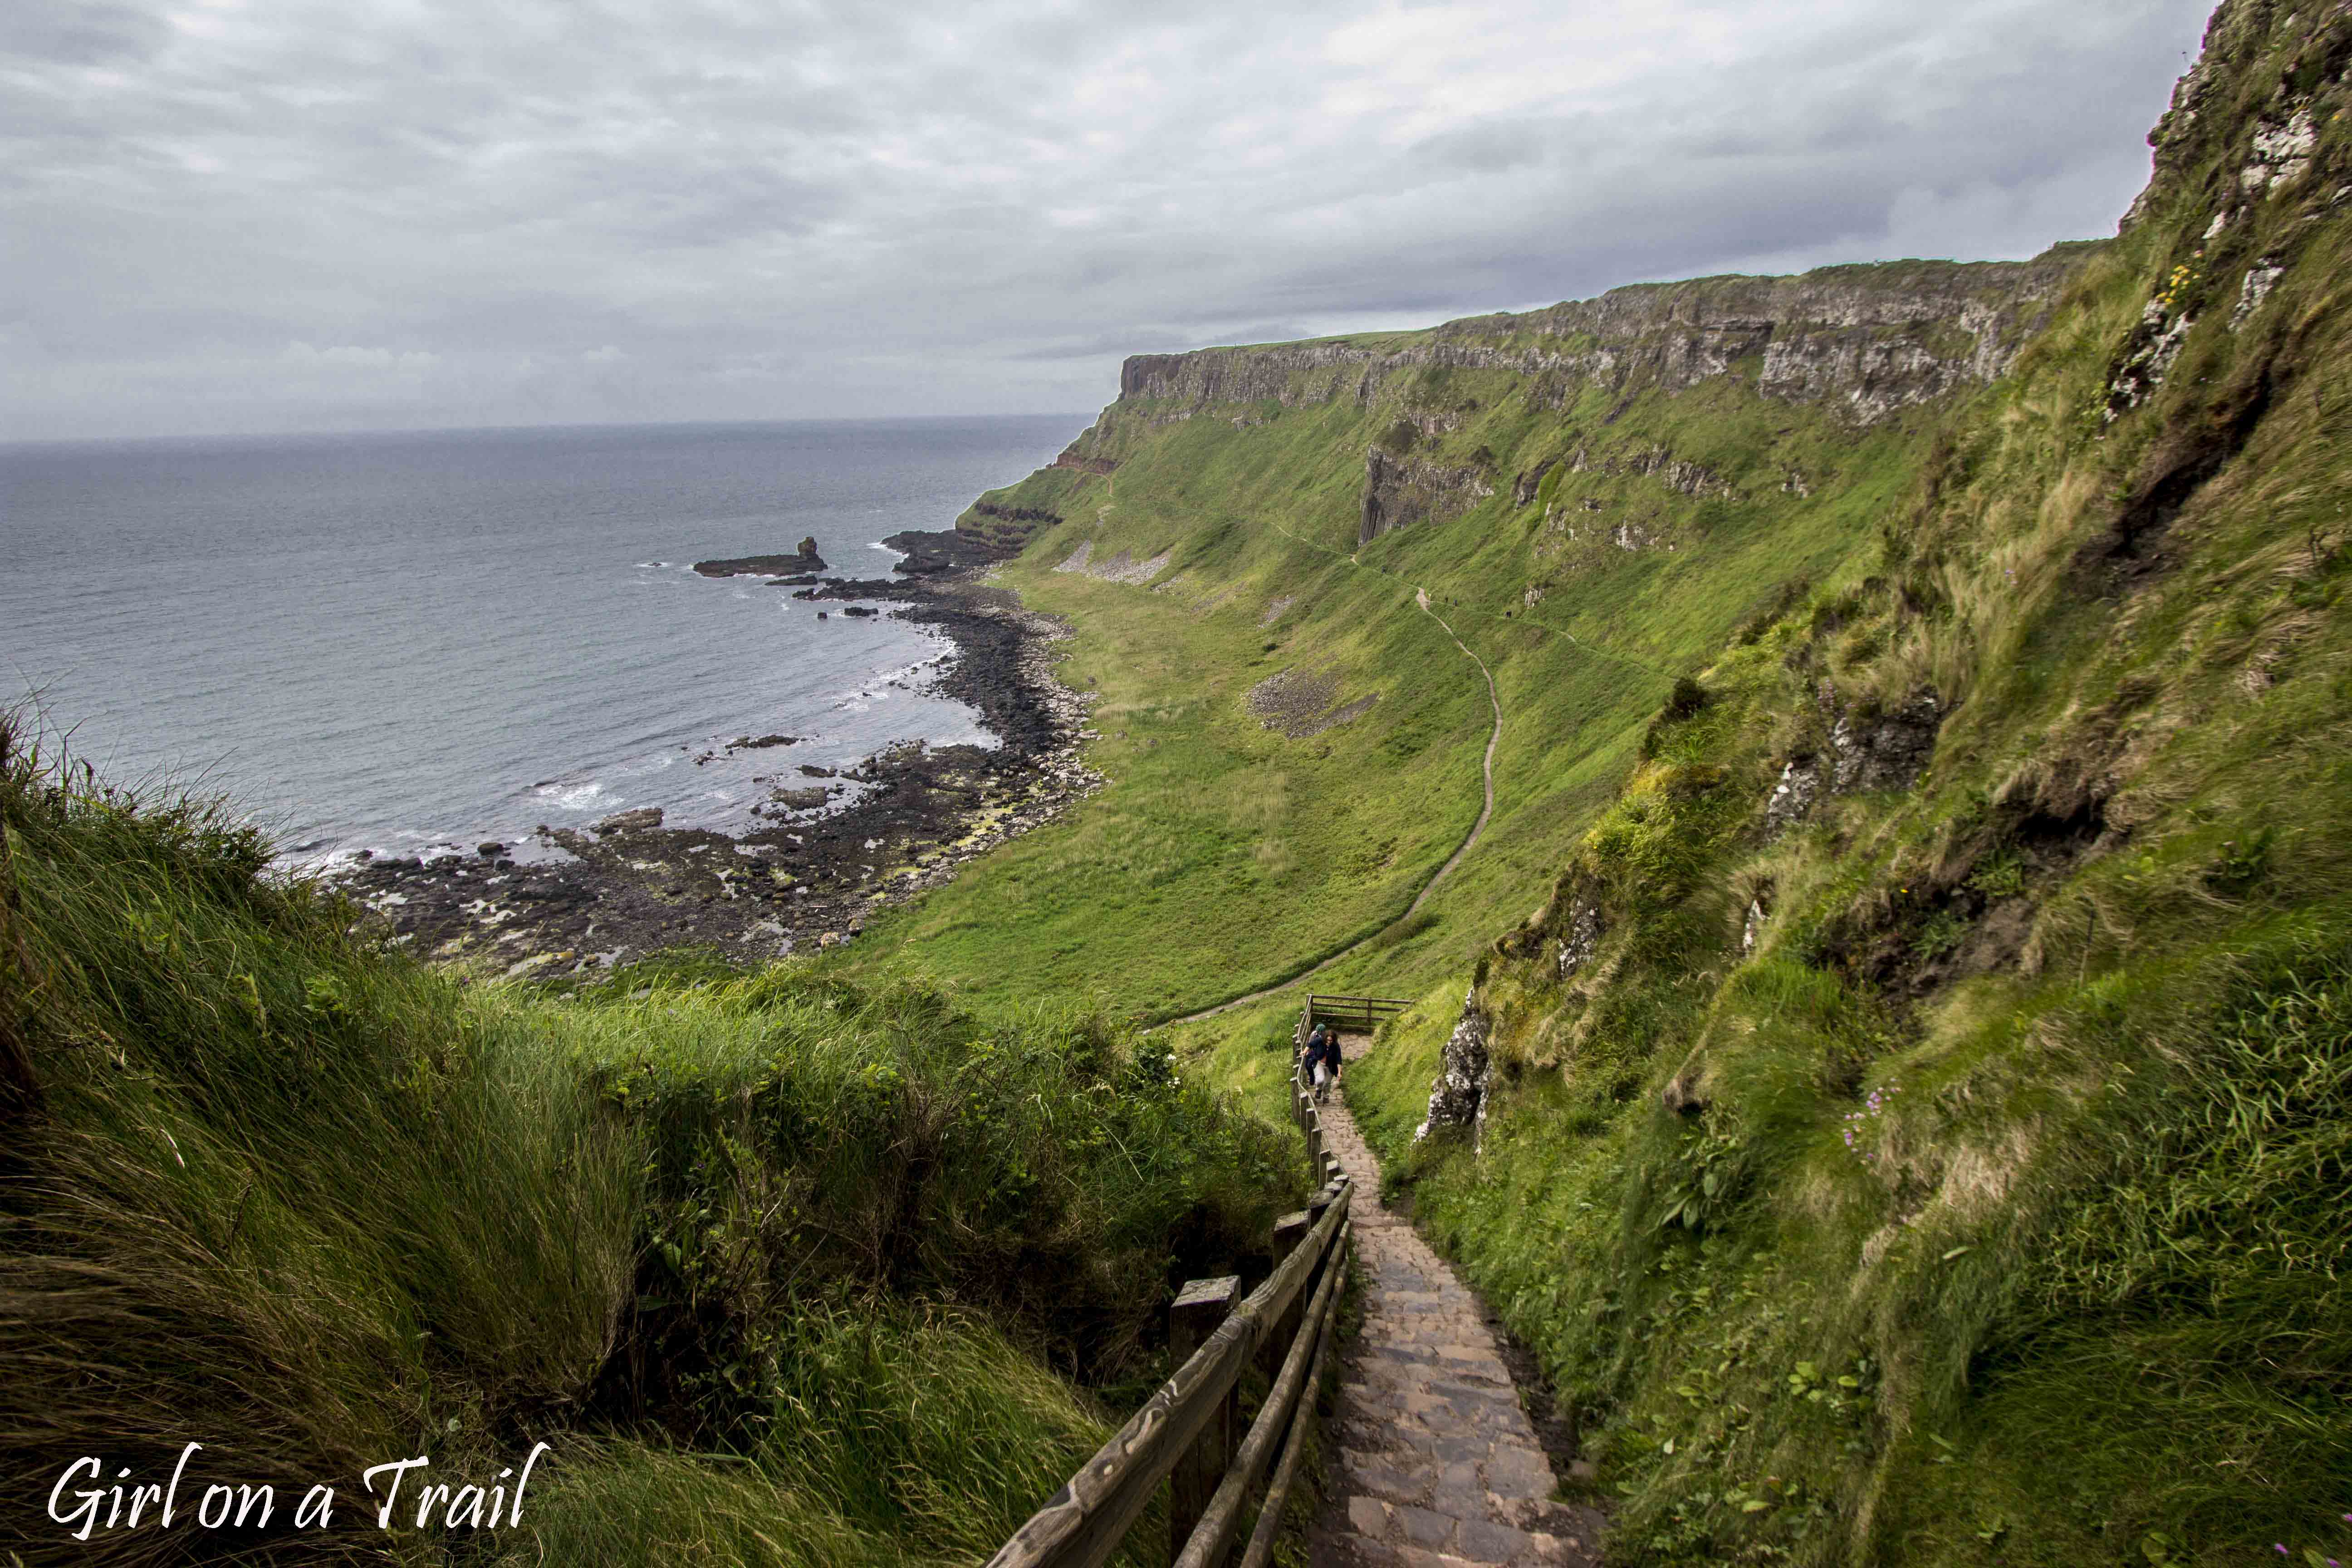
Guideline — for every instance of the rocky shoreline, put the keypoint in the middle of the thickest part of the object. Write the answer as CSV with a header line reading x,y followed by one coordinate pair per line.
x,y
811,873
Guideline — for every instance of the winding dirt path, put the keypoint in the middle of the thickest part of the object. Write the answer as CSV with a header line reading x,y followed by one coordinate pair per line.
x,y
1469,840
1487,767
1438,1465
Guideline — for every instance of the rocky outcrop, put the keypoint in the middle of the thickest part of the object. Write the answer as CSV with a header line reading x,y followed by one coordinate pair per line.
x,y
1464,1073
987,533
1801,781
1581,940
1400,491
805,559
1888,750
1079,455
1869,340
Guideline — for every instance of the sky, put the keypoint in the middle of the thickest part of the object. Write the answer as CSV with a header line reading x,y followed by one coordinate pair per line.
x,y
262,216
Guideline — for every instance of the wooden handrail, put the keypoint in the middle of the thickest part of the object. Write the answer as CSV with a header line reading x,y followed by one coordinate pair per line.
x,y
1083,1524
1260,1549
1213,1536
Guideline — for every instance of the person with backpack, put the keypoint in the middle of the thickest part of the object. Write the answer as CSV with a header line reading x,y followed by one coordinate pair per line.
x,y
1332,1060
1312,1058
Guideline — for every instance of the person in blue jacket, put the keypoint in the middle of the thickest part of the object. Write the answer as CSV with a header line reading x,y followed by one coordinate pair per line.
x,y
1321,1058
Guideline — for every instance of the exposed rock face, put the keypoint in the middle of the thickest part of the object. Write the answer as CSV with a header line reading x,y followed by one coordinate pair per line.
x,y
645,819
1801,781
1464,1072
1873,340
2147,358
2261,279
1524,488
1398,492
1888,751
1682,1095
1585,927
1693,480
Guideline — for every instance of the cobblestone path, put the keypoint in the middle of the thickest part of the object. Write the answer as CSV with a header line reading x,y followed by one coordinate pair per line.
x,y
1438,1465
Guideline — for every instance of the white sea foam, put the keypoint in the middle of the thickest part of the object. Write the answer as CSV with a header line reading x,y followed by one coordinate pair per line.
x,y
585,796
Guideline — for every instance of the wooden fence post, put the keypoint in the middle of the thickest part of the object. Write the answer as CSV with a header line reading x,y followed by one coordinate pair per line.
x,y
1203,1305
1289,1232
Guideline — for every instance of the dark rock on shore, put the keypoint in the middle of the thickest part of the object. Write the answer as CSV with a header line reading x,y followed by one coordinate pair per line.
x,y
810,869
944,551
806,560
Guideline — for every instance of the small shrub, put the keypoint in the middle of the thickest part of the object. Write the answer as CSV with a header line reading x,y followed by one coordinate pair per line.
x,y
2243,862
1941,934
1999,874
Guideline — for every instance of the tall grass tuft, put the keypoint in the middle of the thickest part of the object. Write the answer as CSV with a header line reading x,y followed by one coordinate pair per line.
x,y
786,1270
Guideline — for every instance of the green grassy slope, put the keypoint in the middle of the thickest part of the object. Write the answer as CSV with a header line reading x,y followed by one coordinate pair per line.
x,y
1226,854
1958,1174
787,1271
1992,1207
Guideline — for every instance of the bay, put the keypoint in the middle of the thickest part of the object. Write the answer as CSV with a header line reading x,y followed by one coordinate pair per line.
x,y
407,642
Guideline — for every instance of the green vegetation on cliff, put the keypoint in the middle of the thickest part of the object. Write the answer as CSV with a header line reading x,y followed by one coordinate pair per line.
x,y
1915,1106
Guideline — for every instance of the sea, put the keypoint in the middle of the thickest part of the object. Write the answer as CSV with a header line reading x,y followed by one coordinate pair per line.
x,y
413,643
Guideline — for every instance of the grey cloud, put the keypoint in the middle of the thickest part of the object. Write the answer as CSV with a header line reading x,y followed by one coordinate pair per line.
x,y
1493,148
809,210
81,34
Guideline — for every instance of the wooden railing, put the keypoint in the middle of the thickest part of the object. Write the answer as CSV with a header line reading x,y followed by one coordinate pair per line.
x,y
1359,1013
1184,1433
1362,1013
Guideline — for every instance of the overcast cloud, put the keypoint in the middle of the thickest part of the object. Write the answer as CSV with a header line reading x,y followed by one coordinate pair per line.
x,y
269,215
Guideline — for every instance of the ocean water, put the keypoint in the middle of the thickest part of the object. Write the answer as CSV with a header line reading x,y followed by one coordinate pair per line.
x,y
409,642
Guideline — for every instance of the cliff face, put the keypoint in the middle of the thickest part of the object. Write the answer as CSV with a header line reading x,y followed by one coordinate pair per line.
x,y
1915,1118
1889,1104
1866,340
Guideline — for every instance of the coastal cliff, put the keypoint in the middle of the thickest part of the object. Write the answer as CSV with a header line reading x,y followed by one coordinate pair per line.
x,y
1911,950
1867,340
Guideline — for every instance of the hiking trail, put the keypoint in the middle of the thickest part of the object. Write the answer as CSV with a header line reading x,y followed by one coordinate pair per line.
x,y
1437,1465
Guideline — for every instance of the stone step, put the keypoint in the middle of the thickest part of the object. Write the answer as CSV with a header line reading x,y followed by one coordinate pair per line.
x,y
1438,1463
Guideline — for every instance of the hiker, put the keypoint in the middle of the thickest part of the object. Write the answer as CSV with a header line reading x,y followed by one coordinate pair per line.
x,y
1332,1061
1311,1058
